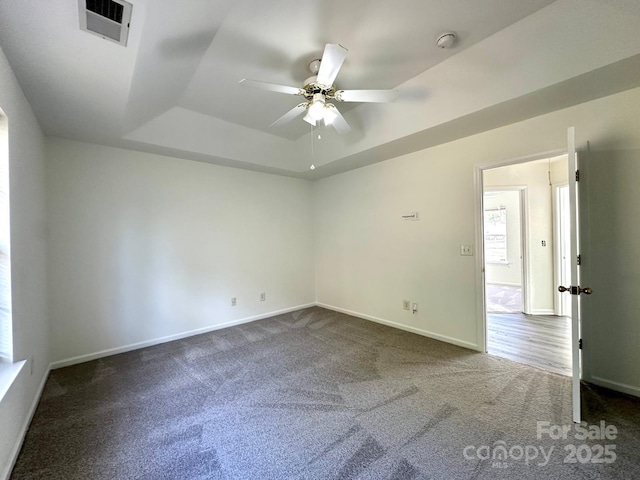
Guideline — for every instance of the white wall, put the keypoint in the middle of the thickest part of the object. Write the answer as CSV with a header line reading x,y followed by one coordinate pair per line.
x,y
368,259
611,266
28,250
559,170
144,246
511,272
535,176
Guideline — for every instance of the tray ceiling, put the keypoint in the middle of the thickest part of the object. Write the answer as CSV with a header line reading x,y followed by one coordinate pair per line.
x,y
174,88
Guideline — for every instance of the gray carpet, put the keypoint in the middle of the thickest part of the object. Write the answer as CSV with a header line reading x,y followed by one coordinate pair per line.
x,y
312,395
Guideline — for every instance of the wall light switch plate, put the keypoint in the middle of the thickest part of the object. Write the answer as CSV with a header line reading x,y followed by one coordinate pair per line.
x,y
466,250
406,305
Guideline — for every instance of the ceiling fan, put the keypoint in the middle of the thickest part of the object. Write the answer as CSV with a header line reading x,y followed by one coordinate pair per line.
x,y
319,88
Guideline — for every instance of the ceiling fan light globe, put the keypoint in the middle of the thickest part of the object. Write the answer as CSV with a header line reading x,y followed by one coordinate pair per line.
x,y
314,66
307,118
316,110
329,115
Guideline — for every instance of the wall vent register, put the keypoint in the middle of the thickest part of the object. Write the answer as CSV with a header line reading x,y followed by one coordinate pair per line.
x,y
108,19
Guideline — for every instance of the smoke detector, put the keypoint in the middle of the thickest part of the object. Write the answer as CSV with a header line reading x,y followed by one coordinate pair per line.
x,y
108,19
446,40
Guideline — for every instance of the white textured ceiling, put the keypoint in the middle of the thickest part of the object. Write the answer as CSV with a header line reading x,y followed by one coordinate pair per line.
x,y
174,88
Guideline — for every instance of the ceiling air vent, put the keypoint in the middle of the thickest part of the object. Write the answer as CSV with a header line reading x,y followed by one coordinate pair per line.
x,y
108,19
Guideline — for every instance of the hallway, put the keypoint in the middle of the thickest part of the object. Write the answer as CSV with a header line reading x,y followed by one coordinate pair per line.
x,y
540,341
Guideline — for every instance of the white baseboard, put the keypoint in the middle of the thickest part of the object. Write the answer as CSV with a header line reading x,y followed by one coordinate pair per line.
x,y
543,311
424,333
620,387
6,473
169,338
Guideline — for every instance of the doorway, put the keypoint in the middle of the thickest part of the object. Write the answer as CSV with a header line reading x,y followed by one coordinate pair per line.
x,y
523,219
504,226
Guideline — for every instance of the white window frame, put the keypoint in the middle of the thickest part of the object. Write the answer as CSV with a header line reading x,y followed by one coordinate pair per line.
x,y
9,369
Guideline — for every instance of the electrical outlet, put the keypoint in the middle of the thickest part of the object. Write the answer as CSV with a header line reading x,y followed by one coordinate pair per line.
x,y
466,250
263,297
406,304
233,301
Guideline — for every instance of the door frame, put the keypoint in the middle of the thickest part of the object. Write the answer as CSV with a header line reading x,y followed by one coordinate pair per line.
x,y
558,239
481,314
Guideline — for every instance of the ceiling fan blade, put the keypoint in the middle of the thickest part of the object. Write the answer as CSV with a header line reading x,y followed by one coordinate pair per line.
x,y
272,87
338,122
332,59
373,96
290,115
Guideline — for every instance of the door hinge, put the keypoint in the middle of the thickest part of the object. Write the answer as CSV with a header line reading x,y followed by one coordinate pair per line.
x,y
580,344
577,175
579,259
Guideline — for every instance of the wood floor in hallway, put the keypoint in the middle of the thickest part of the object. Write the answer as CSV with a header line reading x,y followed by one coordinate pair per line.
x,y
537,340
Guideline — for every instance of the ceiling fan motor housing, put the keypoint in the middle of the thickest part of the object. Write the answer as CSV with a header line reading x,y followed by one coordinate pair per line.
x,y
311,87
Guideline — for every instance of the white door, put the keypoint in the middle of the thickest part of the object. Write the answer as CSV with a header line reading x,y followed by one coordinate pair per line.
x,y
574,289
